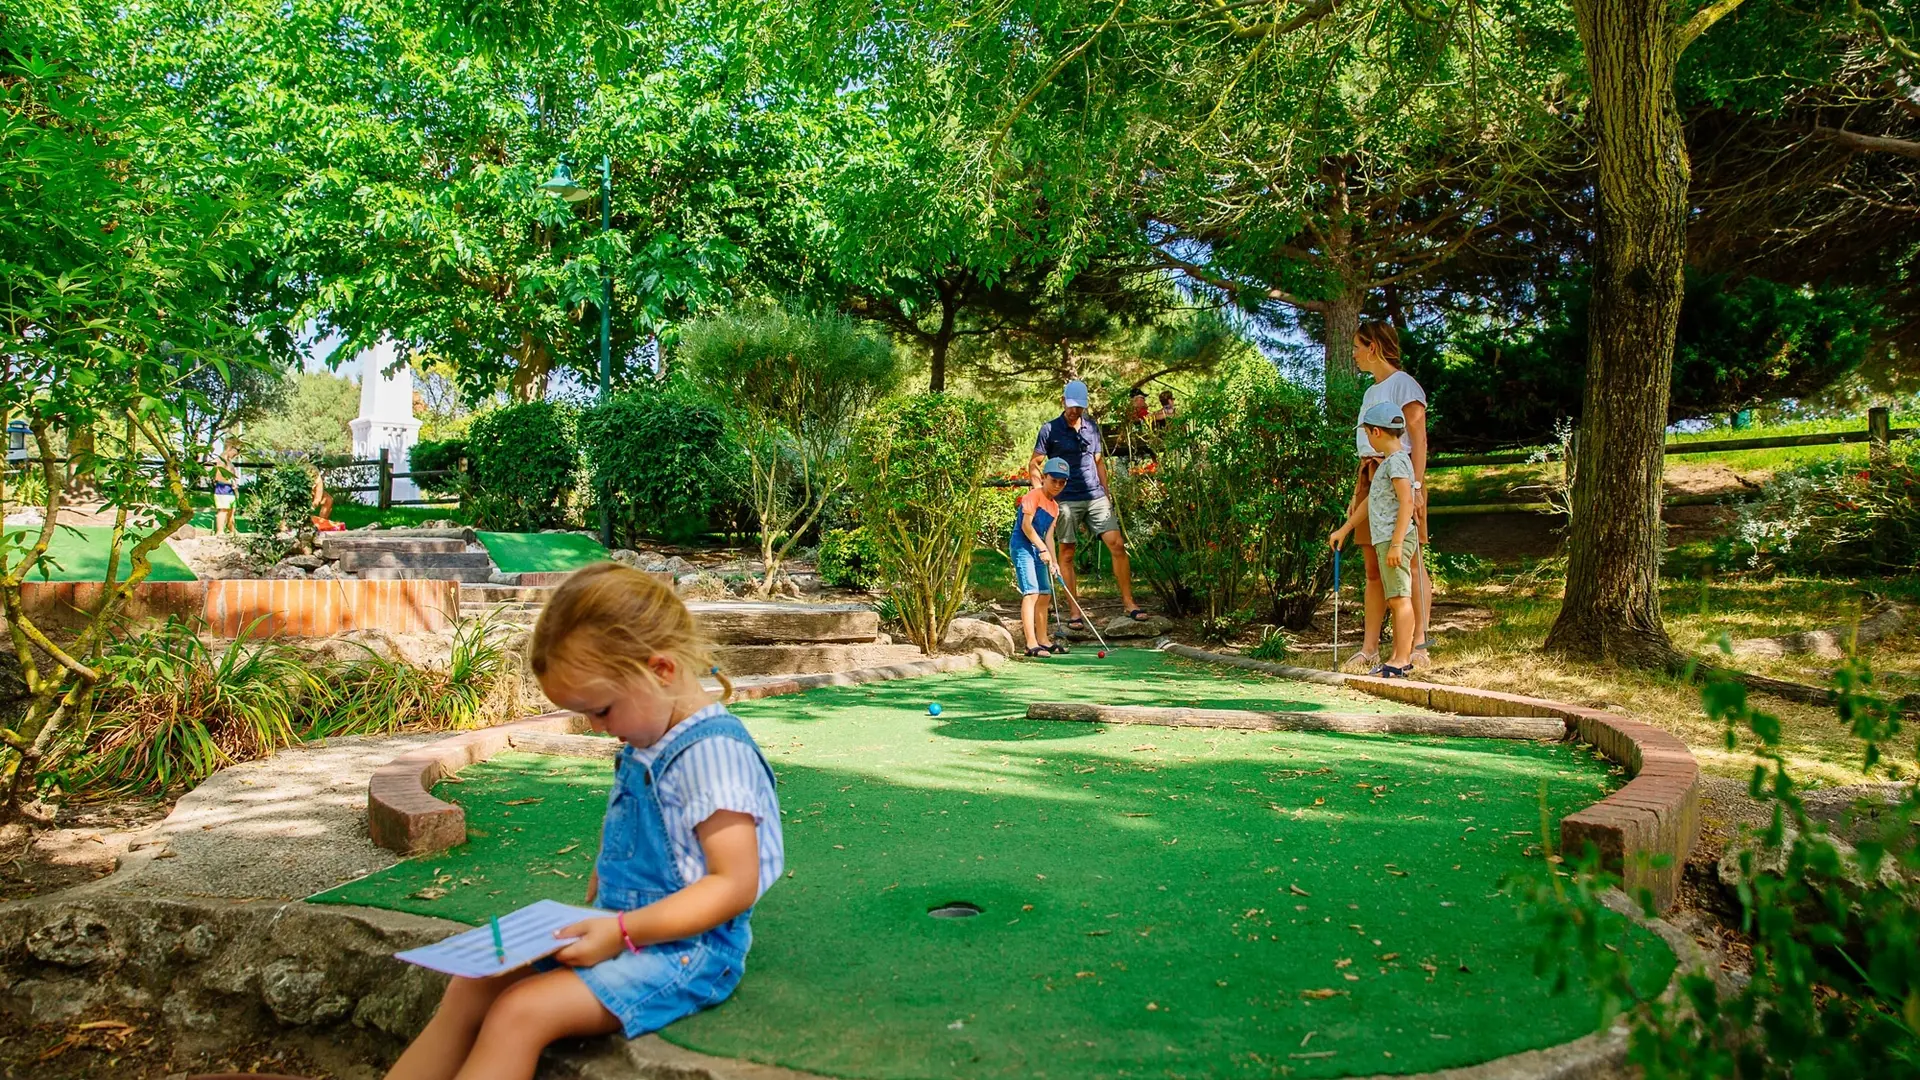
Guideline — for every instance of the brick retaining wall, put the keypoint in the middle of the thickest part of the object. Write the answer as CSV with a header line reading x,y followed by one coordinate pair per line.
x,y
307,608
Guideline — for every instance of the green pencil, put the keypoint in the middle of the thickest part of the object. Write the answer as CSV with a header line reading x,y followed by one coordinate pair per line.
x,y
499,946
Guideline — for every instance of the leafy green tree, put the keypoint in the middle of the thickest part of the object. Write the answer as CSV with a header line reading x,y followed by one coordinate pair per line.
x,y
128,251
313,420
793,386
1740,344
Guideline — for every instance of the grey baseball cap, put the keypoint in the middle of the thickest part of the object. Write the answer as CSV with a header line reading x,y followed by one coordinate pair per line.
x,y
1384,415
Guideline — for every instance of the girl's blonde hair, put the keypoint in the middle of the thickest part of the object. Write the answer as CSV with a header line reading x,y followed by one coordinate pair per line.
x,y
1384,337
608,620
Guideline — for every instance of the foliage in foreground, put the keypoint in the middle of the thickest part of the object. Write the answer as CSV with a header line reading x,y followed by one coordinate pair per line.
x,y
276,501
919,465
1835,981
172,709
1245,486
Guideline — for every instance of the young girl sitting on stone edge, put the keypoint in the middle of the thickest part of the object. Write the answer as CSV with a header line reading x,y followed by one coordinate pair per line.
x,y
690,842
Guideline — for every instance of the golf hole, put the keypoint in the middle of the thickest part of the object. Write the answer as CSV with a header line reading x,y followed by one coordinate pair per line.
x,y
959,909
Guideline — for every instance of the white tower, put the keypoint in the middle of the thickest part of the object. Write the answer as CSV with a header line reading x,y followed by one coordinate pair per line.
x,y
386,415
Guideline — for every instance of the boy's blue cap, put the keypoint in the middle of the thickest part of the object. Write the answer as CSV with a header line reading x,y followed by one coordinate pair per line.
x,y
1057,467
1384,415
1075,394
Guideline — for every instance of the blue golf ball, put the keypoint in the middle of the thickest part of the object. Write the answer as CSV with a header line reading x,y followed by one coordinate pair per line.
x,y
933,709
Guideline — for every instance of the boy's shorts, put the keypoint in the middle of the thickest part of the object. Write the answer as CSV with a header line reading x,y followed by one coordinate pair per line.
x,y
1029,573
1397,580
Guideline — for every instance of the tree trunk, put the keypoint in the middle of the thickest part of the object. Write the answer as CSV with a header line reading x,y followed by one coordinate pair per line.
x,y
1612,605
80,451
534,362
942,340
1342,376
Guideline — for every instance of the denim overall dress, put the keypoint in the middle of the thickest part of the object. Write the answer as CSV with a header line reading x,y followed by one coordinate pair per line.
x,y
661,983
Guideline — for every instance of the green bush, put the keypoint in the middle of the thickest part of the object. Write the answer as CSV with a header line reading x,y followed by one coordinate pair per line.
x,y
276,502
1244,487
664,460
918,465
1272,646
521,466
1834,986
1834,516
430,456
848,558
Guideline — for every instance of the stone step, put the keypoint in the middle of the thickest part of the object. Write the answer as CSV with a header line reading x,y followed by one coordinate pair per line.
x,y
489,594
343,545
427,573
756,623
372,560
742,660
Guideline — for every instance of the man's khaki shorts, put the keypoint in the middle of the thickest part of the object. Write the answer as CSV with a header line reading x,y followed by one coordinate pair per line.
x,y
1093,515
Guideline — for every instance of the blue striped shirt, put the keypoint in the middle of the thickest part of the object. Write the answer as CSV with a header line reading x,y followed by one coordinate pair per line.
x,y
713,775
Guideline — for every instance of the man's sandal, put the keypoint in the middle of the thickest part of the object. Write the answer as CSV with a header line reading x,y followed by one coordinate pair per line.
x,y
1077,623
1138,615
1039,650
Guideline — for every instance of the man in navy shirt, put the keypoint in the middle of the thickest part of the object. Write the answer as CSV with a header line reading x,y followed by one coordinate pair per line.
x,y
1084,505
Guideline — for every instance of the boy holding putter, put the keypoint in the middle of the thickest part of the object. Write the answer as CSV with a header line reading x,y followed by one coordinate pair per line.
x,y
1389,513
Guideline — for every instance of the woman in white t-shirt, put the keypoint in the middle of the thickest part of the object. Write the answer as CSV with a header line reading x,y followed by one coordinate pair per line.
x,y
1376,349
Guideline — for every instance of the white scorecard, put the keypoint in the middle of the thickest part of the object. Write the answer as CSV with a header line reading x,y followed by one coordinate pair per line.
x,y
527,935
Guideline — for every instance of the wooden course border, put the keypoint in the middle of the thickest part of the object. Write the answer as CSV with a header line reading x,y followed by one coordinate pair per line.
x,y
403,815
1643,832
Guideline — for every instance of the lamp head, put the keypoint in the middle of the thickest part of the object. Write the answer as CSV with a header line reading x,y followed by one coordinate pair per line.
x,y
562,185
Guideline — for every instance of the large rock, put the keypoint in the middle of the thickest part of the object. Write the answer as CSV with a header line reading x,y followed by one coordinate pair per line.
x,y
1124,628
286,571
967,635
1773,860
416,650
701,585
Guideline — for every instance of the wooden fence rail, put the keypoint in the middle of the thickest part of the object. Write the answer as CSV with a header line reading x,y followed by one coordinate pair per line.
x,y
1878,432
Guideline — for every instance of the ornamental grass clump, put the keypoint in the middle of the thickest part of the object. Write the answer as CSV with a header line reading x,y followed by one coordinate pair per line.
x,y
918,465
172,709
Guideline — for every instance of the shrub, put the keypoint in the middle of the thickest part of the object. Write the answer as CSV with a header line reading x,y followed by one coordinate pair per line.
x,y
664,460
1835,516
173,709
847,558
919,465
1834,988
449,455
276,502
1244,487
521,465
794,385
1272,645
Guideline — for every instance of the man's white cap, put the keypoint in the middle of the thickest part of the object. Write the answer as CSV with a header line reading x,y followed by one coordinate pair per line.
x,y
1076,394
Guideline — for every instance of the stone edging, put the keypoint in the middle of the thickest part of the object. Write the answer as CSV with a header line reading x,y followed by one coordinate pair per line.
x,y
1644,831
403,815
323,976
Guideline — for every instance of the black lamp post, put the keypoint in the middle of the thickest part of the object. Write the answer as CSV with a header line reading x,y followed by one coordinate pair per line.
x,y
562,186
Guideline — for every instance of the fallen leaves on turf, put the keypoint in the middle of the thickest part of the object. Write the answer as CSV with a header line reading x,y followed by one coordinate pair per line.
x,y
536,800
1298,891
1319,995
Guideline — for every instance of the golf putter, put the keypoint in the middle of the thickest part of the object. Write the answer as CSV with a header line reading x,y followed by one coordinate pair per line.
x,y
1060,642
1083,614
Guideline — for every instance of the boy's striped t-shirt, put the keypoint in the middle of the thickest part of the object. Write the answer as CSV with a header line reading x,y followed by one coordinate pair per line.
x,y
713,775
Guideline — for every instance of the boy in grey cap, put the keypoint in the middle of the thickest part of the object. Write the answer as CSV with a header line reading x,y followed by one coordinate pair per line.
x,y
1389,514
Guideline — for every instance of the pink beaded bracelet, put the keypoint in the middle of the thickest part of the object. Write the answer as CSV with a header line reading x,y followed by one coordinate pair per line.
x,y
621,919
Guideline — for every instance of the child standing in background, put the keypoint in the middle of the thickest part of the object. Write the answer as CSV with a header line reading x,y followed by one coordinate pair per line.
x,y
1389,516
690,842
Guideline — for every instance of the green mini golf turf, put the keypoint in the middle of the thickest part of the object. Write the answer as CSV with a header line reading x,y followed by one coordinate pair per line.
x,y
532,553
1175,902
79,553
